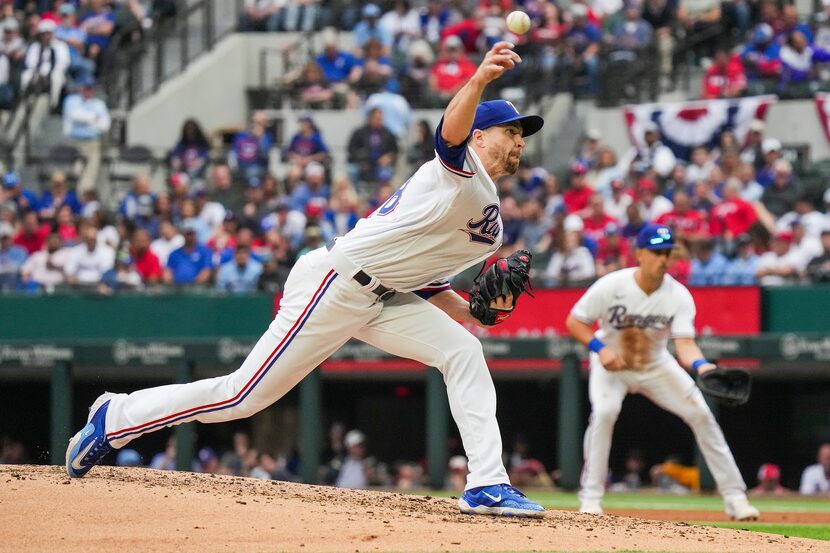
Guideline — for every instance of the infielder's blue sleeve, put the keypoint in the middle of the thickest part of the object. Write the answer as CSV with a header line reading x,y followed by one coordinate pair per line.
x,y
452,157
431,289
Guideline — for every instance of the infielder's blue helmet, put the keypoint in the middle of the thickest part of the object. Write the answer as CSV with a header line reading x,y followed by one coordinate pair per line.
x,y
655,237
499,112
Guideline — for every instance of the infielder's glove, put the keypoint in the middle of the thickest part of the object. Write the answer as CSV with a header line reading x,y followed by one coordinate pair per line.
x,y
730,387
508,275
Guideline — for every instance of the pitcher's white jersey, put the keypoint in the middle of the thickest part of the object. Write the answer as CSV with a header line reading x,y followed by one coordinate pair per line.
x,y
444,219
636,324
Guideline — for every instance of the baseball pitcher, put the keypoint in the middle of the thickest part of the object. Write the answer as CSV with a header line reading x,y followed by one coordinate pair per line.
x,y
638,310
385,283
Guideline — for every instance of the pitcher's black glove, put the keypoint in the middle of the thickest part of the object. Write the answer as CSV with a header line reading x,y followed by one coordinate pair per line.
x,y
507,276
730,387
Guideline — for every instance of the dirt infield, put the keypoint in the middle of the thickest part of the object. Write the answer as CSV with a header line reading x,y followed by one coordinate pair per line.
x,y
718,516
43,510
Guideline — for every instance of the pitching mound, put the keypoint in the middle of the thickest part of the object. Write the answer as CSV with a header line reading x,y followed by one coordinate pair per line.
x,y
112,509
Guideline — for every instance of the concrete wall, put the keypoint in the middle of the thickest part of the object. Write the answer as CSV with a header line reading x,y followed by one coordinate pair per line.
x,y
211,89
792,122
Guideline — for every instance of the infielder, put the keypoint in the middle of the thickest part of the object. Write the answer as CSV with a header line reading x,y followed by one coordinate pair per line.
x,y
638,310
385,283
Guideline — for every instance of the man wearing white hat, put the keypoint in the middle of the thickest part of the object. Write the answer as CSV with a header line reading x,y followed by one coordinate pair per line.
x,y
45,63
771,150
353,473
751,152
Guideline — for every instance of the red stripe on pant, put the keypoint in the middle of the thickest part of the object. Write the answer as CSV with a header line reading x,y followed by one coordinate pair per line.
x,y
114,435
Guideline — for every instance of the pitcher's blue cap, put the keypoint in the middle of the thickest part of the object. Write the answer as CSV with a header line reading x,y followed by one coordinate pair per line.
x,y
498,112
655,237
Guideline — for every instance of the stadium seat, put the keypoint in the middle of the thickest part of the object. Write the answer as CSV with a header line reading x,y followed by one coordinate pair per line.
x,y
66,158
130,162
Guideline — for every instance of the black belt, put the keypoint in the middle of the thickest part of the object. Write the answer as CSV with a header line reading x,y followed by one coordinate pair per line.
x,y
382,292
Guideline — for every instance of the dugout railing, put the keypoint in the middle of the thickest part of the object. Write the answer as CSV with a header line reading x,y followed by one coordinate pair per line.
x,y
65,363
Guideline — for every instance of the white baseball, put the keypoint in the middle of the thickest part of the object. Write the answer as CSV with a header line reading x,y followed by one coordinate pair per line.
x,y
518,22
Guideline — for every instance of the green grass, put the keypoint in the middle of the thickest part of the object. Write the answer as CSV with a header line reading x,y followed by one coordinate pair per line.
x,y
650,500
811,531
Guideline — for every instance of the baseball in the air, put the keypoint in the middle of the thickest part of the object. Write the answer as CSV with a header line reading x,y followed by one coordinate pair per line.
x,y
518,22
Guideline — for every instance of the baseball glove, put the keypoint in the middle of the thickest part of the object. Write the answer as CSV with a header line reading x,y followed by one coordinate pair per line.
x,y
730,387
508,275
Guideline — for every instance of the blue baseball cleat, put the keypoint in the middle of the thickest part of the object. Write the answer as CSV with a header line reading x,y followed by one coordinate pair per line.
x,y
500,499
90,444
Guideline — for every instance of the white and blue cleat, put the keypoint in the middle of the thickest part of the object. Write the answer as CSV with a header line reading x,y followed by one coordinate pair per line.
x,y
90,444
501,500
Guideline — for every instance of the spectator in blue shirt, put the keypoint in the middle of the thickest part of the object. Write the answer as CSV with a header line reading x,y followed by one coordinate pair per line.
x,y
14,193
98,22
336,64
57,195
742,270
249,153
241,274
761,57
708,267
369,28
434,18
190,264
85,120
75,38
138,205
313,187
12,258
306,145
582,42
633,33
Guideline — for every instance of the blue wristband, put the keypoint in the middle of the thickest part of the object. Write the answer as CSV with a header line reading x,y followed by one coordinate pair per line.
x,y
696,364
595,345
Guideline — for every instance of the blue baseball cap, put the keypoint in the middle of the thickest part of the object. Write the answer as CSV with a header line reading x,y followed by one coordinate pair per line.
x,y
86,81
498,112
371,10
655,237
10,179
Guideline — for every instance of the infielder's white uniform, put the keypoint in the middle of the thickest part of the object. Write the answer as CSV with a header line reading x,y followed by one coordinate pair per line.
x,y
638,326
444,219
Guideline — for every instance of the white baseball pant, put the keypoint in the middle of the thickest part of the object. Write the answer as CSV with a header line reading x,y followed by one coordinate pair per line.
x,y
671,388
320,310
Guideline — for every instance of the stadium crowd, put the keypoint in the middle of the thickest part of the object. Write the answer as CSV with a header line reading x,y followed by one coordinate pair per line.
x,y
426,50
47,46
232,224
232,218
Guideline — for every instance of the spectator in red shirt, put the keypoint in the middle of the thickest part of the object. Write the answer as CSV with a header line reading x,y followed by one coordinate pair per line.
x,y
452,70
726,78
734,215
688,224
596,220
468,30
613,251
65,225
32,235
680,266
577,194
146,262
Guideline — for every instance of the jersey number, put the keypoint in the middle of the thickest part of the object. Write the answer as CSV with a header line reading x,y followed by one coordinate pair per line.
x,y
390,204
